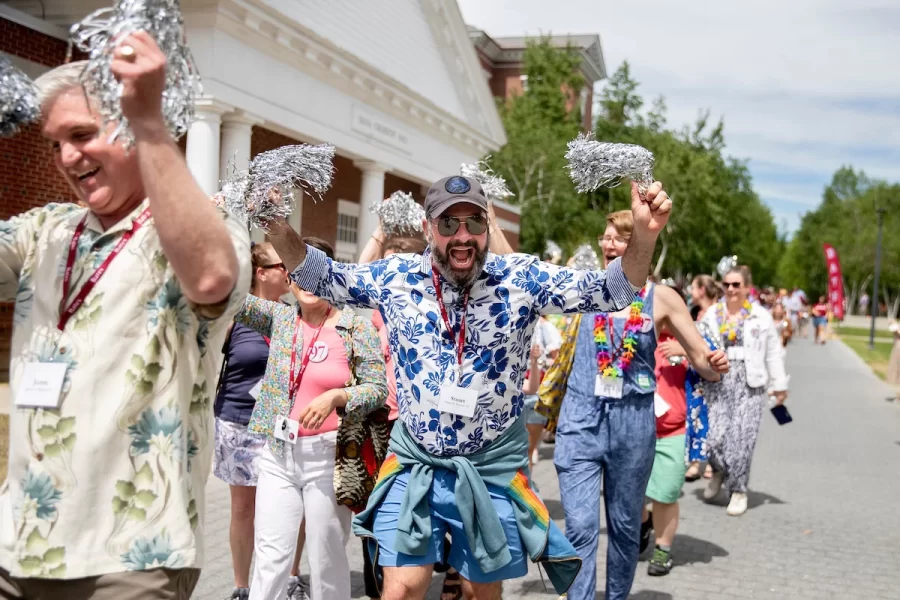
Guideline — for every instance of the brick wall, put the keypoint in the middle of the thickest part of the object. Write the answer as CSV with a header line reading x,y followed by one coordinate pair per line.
x,y
28,177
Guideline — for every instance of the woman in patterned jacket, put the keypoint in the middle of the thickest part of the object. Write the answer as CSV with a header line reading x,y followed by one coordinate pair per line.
x,y
325,365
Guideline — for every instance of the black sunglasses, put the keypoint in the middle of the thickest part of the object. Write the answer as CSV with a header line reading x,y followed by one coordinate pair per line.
x,y
476,225
275,266
734,284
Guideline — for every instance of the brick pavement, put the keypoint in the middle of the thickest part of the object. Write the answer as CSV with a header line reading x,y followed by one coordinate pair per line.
x,y
822,521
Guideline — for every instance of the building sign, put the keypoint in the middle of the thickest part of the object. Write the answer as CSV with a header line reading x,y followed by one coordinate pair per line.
x,y
376,128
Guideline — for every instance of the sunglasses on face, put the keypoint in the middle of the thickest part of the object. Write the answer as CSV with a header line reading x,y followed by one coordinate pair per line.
x,y
732,284
275,266
447,226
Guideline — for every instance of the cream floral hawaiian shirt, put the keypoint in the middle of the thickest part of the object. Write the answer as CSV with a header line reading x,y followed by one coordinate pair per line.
x,y
113,480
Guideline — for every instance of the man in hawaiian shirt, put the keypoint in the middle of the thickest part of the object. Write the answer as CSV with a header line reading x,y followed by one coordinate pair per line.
x,y
121,310
460,321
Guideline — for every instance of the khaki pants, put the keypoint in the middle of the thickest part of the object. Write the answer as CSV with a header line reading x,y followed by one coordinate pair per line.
x,y
155,584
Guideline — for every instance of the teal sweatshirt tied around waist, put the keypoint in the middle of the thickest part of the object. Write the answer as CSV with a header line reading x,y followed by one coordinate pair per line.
x,y
502,464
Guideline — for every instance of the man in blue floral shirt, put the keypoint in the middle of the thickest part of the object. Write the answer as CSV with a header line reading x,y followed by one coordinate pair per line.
x,y
460,321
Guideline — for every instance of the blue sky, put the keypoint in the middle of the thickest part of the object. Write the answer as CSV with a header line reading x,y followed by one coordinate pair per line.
x,y
804,86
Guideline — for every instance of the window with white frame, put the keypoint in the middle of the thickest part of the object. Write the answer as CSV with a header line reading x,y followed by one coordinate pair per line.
x,y
347,247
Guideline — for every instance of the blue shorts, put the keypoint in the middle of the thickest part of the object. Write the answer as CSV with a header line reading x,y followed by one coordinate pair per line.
x,y
446,518
532,417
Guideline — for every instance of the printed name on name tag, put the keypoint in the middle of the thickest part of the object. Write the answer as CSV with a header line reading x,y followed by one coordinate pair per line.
x,y
458,401
41,385
608,387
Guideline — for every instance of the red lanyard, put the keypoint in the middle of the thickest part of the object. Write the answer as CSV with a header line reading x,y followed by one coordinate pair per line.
x,y
296,379
67,312
462,322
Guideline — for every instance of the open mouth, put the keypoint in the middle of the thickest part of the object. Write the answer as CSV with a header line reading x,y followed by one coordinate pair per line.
x,y
461,257
88,174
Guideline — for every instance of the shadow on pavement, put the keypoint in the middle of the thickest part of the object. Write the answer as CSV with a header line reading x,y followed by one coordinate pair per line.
x,y
754,499
645,595
688,550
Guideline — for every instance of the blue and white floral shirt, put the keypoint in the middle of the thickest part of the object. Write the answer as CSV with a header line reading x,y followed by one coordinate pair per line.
x,y
505,302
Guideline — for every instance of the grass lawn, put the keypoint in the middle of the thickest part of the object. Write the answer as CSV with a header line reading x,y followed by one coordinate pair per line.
x,y
863,332
4,445
877,359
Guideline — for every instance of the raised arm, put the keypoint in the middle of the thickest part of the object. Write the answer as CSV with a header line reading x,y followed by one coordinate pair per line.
x,y
499,243
374,248
650,217
259,315
563,290
709,364
192,233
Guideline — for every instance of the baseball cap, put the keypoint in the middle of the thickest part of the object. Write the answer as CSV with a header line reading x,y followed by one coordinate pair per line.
x,y
448,191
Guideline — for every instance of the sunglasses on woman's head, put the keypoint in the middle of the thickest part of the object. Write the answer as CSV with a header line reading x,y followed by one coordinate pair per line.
x,y
447,226
734,284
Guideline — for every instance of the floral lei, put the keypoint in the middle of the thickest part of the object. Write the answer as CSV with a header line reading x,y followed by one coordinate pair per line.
x,y
605,365
727,329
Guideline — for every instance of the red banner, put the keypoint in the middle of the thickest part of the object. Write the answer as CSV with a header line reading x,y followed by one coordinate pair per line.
x,y
835,281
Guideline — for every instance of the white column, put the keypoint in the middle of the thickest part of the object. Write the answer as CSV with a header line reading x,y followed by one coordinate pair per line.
x,y
237,131
203,143
371,193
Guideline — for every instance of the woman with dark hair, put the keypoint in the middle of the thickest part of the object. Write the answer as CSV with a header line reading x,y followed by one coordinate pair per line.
x,y
325,370
820,320
703,295
736,404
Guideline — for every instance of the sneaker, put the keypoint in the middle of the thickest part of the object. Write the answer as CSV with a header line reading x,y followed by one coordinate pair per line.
x,y
661,563
738,504
298,588
646,528
715,485
239,594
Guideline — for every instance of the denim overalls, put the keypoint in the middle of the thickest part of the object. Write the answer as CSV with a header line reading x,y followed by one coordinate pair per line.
x,y
610,438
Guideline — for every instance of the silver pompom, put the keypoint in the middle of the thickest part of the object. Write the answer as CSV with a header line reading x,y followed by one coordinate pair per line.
x,y
100,34
266,190
400,214
493,185
594,164
726,264
18,99
553,252
585,258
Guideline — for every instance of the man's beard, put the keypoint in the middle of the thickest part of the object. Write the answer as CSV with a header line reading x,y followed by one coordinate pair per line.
x,y
456,278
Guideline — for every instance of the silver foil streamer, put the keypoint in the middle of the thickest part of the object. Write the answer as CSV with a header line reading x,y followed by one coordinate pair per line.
x,y
585,258
493,185
553,252
726,264
18,99
100,34
265,191
594,164
400,214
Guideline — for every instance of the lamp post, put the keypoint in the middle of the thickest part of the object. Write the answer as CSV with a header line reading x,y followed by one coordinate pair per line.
x,y
879,212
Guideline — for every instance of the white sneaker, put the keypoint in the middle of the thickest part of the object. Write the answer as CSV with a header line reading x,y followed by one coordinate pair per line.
x,y
714,486
738,504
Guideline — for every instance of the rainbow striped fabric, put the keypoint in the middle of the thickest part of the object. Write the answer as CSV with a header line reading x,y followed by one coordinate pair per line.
x,y
389,468
520,491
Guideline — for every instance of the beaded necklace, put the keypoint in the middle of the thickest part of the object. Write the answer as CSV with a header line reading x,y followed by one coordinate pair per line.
x,y
727,329
606,366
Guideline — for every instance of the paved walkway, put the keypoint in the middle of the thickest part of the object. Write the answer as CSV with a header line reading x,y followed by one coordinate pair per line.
x,y
823,519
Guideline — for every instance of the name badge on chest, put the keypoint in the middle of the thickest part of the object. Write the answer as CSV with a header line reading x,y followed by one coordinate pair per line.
x,y
609,387
286,430
735,353
41,385
458,401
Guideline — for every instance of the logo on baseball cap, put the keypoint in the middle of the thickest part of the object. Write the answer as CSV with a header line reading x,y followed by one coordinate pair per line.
x,y
452,190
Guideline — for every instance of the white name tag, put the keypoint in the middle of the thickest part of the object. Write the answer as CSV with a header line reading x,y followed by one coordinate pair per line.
x,y
735,353
255,390
660,406
286,429
41,385
458,401
608,387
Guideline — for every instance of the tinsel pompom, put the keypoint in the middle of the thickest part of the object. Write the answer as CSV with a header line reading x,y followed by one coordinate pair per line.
x,y
594,164
585,258
726,264
553,252
101,32
18,99
493,185
400,214
266,190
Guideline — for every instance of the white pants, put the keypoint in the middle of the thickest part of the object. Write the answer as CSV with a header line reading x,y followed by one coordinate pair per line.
x,y
297,485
